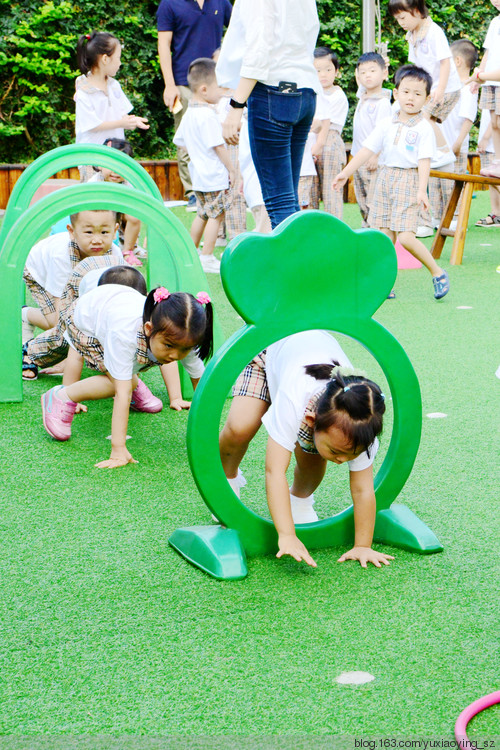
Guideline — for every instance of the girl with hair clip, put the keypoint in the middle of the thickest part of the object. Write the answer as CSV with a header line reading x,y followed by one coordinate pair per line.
x,y
120,332
320,413
102,109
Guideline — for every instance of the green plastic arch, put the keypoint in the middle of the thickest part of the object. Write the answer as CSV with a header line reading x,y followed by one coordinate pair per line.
x,y
178,252
311,272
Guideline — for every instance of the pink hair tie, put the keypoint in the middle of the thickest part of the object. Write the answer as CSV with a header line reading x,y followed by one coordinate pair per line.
x,y
203,298
160,294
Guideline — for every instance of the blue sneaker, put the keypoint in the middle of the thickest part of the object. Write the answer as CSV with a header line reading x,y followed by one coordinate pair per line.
x,y
441,285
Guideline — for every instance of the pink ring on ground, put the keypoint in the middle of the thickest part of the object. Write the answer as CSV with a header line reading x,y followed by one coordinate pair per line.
x,y
468,713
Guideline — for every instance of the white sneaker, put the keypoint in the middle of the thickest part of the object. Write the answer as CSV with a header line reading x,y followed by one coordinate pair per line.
x,y
302,509
424,231
220,242
210,264
453,225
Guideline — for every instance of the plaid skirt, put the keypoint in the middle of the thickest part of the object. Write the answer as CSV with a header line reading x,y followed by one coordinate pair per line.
x,y
490,98
88,347
440,112
212,204
45,301
395,204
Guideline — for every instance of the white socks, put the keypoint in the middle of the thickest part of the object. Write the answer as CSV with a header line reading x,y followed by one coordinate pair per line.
x,y
302,509
237,482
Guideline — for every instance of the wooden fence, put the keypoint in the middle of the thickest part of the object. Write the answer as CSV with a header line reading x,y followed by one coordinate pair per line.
x,y
164,173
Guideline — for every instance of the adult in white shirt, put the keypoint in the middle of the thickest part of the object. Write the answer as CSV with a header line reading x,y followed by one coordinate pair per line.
x,y
267,59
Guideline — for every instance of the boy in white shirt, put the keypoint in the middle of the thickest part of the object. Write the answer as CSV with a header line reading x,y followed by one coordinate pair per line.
x,y
200,133
51,261
456,127
407,143
331,158
373,106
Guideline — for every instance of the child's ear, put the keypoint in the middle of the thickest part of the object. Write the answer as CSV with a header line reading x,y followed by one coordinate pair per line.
x,y
148,327
69,227
310,419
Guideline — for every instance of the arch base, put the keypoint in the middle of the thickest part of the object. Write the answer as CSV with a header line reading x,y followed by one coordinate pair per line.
x,y
216,550
398,526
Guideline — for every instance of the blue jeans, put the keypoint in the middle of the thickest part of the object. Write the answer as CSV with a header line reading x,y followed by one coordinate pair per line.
x,y
278,126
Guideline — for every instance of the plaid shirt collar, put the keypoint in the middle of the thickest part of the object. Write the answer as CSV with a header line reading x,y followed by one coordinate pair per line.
x,y
305,435
409,123
75,255
142,349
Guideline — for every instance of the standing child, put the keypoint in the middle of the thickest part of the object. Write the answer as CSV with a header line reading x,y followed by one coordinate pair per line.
x,y
200,133
321,414
407,143
119,332
456,127
101,106
429,49
373,106
486,149
51,261
332,156
488,75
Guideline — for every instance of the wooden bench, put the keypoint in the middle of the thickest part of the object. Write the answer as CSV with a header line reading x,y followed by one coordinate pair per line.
x,y
468,183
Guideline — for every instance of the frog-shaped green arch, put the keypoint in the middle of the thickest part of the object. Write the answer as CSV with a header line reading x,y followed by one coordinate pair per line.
x,y
311,272
172,255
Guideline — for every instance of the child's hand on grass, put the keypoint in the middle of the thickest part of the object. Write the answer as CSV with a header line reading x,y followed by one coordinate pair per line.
x,y
289,544
119,457
178,404
364,555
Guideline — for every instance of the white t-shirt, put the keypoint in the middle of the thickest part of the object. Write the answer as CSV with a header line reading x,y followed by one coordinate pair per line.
x,y
199,132
402,146
93,107
429,52
308,167
112,313
465,109
492,44
336,107
50,265
370,110
291,389
270,41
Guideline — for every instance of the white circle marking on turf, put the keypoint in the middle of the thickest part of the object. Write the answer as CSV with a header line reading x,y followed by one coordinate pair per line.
x,y
485,244
354,678
498,372
464,307
436,415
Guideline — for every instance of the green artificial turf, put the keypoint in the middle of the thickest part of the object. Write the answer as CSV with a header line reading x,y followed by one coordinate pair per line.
x,y
107,632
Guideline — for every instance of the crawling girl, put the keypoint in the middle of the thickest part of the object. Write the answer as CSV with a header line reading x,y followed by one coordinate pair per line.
x,y
120,332
310,408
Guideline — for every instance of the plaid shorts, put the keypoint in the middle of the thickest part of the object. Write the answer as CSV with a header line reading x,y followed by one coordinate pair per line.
x,y
48,348
43,298
309,191
253,380
490,99
364,184
395,204
440,112
212,204
87,346
329,164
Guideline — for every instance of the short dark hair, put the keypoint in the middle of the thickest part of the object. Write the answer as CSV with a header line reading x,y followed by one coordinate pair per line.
x,y
120,144
327,52
201,71
467,50
353,403
367,57
74,217
91,46
396,6
126,276
413,71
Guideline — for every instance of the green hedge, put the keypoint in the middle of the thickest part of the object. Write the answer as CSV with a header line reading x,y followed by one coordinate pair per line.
x,y
37,63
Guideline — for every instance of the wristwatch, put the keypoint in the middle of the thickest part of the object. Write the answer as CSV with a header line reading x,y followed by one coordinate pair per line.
x,y
236,105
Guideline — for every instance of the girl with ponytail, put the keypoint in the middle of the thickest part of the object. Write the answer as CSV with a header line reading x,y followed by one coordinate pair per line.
x,y
319,412
120,332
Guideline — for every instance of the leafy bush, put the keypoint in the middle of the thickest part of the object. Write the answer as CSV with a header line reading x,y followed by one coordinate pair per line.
x,y
38,69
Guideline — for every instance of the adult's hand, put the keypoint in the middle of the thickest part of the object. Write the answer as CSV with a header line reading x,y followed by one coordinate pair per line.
x,y
231,126
170,94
